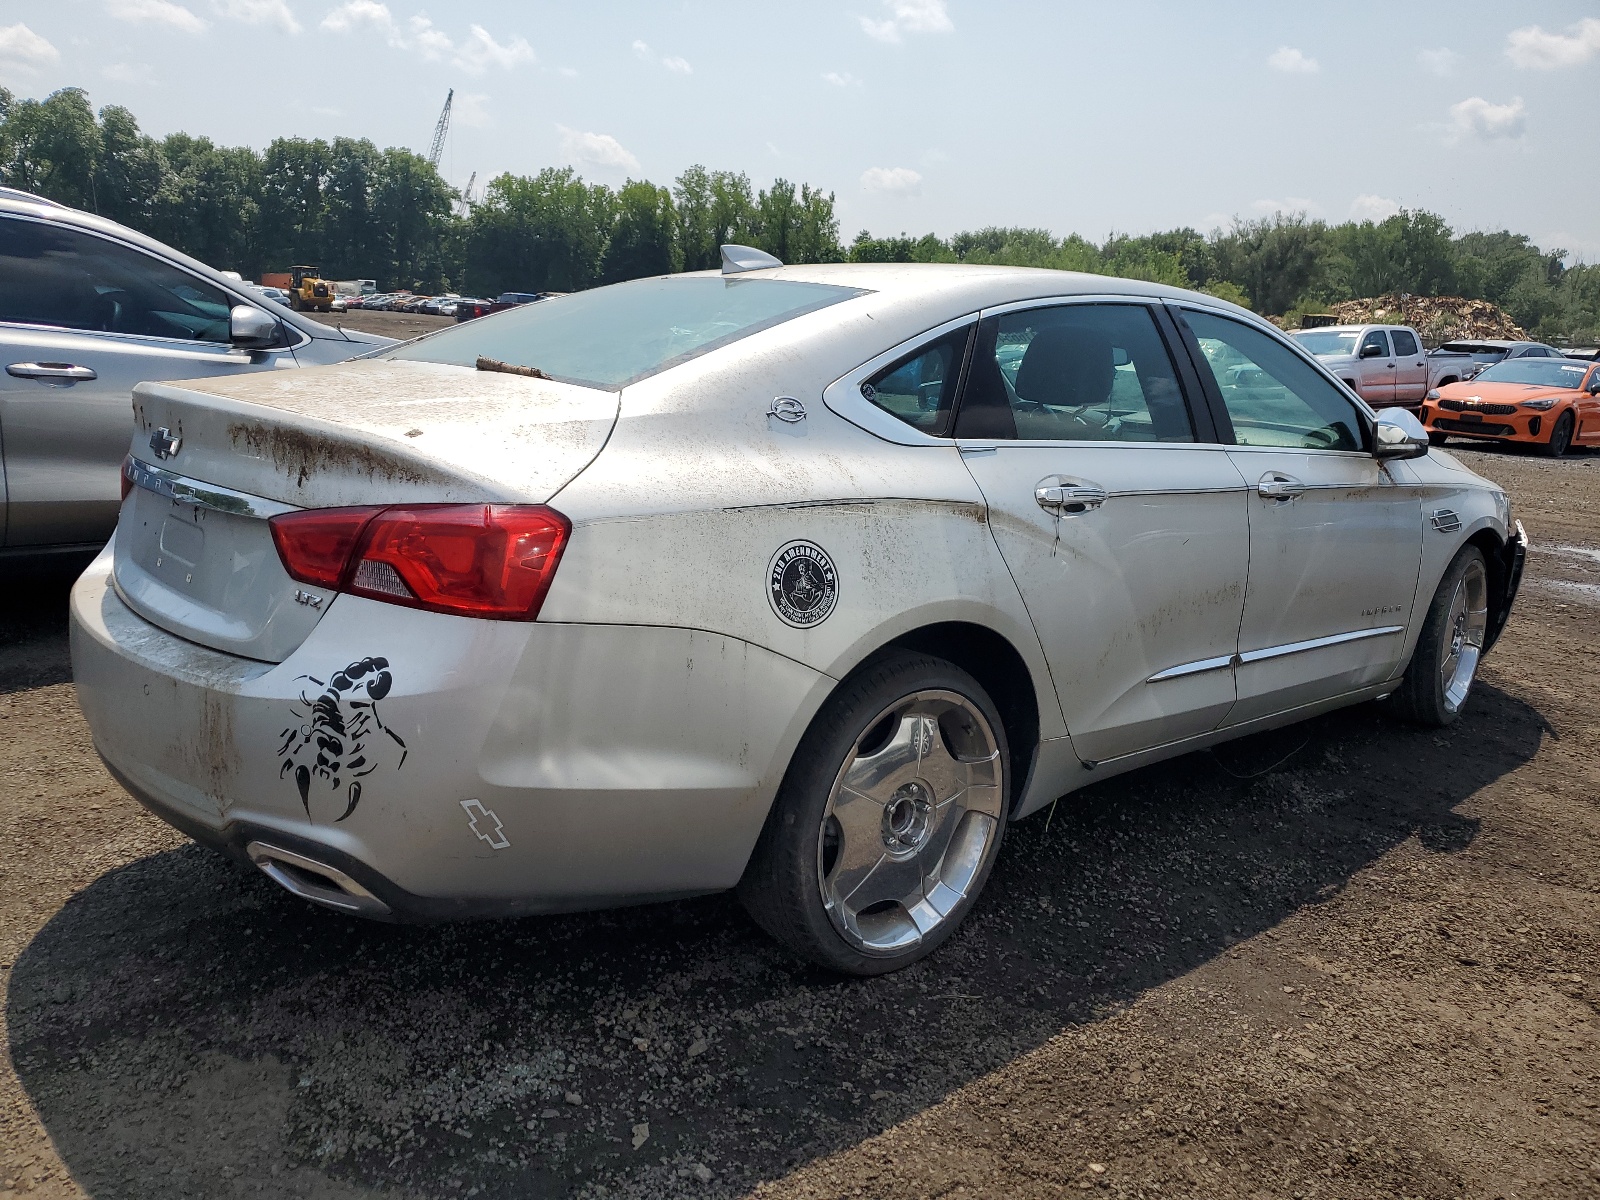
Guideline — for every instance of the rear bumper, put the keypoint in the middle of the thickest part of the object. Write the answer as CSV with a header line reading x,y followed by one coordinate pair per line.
x,y
503,767
1509,561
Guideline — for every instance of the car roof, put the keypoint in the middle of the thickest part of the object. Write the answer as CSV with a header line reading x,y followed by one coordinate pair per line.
x,y
1351,328
968,287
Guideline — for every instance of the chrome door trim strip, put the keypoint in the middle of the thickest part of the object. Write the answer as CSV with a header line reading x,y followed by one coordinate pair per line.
x,y
1220,663
1198,491
1337,639
183,490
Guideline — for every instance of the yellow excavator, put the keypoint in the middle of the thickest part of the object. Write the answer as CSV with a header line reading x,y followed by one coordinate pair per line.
x,y
308,291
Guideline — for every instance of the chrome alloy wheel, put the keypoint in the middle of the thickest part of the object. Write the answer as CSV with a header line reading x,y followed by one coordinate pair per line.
x,y
1464,631
912,819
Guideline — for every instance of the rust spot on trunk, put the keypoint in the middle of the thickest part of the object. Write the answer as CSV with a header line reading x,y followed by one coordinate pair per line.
x,y
301,454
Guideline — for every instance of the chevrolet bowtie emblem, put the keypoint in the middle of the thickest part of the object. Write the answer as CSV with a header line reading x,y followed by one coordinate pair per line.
x,y
164,444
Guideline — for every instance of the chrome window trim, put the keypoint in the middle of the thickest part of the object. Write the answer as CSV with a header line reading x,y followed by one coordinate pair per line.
x,y
198,494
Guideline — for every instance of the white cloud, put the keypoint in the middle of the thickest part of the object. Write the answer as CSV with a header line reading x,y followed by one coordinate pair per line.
x,y
597,149
22,47
156,12
1476,117
1531,47
471,110
474,54
908,16
1292,62
1371,207
673,63
355,13
841,79
1440,62
567,72
259,12
480,51
896,181
127,73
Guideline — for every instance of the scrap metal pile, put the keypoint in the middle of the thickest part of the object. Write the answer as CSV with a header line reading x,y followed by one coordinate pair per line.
x,y
1437,318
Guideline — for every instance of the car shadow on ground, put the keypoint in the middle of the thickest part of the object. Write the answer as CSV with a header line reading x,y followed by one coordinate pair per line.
x,y
33,625
181,1025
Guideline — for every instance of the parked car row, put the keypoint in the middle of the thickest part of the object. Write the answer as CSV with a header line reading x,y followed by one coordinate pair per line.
x,y
466,310
407,302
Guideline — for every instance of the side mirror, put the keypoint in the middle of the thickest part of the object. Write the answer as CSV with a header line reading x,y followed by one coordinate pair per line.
x,y
1372,350
1594,385
251,329
1398,434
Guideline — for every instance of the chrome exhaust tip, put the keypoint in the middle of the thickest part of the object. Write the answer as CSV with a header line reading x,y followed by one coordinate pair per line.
x,y
315,881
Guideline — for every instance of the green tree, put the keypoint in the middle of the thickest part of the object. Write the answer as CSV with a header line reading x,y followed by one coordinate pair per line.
x,y
411,207
1275,260
644,239
548,232
294,172
131,177
55,144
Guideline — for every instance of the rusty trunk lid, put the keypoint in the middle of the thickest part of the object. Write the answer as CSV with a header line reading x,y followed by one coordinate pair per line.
x,y
217,457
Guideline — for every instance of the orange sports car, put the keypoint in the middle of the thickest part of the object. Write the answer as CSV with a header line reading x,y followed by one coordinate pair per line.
x,y
1554,403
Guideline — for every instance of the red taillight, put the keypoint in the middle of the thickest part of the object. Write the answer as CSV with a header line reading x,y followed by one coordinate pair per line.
x,y
315,543
475,560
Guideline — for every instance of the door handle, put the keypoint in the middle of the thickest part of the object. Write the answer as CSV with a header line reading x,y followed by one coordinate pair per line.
x,y
50,370
1275,485
1069,497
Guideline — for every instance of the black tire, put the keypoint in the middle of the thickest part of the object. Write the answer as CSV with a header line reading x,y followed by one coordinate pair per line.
x,y
1425,696
1437,439
1560,436
783,885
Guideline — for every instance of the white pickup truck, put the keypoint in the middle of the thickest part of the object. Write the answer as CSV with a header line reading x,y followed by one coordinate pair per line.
x,y
1385,364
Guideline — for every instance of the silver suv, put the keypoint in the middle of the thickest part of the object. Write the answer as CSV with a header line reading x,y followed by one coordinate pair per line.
x,y
88,309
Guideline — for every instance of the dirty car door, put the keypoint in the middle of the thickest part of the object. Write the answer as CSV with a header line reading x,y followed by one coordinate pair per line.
x,y
1335,540
1125,532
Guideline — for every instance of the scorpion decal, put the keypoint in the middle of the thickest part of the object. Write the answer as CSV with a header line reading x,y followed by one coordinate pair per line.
x,y
336,735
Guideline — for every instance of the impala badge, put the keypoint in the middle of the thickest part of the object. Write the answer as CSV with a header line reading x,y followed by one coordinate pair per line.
x,y
164,444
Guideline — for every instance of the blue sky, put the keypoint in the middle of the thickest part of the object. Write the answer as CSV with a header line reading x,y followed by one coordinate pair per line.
x,y
919,114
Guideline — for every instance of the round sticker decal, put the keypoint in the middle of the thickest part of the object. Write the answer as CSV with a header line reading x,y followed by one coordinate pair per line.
x,y
802,584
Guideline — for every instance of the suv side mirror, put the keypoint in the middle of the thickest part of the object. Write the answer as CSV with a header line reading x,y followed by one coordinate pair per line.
x,y
1398,434
251,329
1594,385
1372,350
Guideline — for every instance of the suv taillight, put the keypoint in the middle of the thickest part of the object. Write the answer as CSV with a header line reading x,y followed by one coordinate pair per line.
x,y
473,560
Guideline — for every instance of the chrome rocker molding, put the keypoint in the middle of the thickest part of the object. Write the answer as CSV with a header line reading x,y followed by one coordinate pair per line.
x,y
1223,662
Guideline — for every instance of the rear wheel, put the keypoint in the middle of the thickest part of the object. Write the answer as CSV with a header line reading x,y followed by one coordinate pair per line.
x,y
888,821
1560,436
1439,680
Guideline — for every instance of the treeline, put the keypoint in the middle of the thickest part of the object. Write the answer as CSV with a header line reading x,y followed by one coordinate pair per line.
x,y
361,212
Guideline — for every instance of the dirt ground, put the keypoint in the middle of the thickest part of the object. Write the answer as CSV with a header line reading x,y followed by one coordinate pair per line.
x,y
1350,959
395,325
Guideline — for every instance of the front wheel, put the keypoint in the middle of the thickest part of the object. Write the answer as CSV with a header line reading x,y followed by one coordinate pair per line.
x,y
1445,664
888,821
1560,436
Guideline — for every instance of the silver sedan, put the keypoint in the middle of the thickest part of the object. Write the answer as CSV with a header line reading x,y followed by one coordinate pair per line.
x,y
88,309
803,581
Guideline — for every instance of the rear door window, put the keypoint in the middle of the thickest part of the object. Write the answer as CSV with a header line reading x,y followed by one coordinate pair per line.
x,y
51,275
1404,343
1073,373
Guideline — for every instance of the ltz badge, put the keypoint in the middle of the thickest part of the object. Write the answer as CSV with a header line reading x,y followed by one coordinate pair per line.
x,y
802,584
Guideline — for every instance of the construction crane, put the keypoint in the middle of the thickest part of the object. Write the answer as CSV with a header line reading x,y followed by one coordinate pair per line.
x,y
440,130
464,205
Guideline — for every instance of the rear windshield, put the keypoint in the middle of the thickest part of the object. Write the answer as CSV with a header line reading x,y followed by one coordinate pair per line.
x,y
1329,343
1542,372
1481,353
614,336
